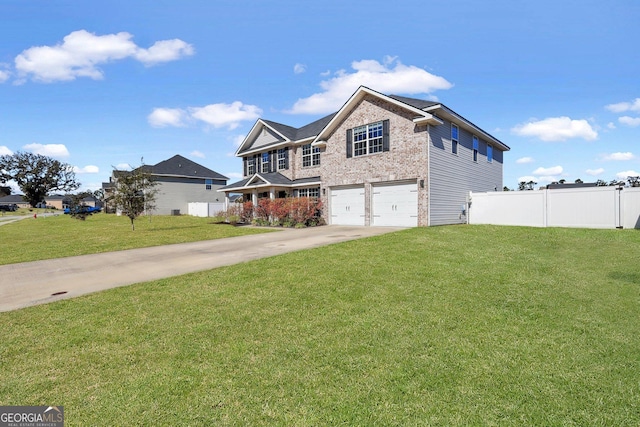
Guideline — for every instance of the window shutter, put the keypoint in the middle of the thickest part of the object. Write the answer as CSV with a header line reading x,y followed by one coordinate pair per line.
x,y
244,166
349,143
286,158
295,193
385,135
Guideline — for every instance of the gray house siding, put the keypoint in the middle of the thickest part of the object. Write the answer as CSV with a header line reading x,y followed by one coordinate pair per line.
x,y
266,137
175,193
452,176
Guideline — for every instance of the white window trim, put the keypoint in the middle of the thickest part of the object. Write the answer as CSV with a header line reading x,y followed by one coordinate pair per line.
x,y
455,141
313,156
367,141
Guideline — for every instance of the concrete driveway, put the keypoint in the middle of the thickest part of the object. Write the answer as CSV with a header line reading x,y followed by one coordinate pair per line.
x,y
40,282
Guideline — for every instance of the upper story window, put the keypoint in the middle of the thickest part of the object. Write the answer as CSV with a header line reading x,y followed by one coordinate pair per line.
x,y
368,139
454,139
475,148
310,156
208,184
251,165
282,159
489,153
265,162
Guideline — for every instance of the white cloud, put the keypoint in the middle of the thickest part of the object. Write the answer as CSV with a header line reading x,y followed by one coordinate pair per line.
x,y
619,156
611,125
386,78
524,160
217,115
86,169
547,178
197,153
4,151
225,115
629,121
81,52
623,175
556,129
164,51
299,68
555,170
594,172
624,106
162,117
4,76
50,150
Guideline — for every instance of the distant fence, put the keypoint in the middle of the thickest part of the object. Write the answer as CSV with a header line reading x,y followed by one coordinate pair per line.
x,y
205,209
590,207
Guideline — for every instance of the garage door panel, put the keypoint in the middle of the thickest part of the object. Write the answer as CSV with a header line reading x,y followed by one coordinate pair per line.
x,y
395,205
347,206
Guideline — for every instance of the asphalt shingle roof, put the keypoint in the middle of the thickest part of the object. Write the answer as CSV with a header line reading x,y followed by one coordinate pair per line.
x,y
181,166
274,178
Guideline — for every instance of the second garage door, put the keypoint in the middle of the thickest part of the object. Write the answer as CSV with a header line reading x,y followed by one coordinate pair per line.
x,y
395,204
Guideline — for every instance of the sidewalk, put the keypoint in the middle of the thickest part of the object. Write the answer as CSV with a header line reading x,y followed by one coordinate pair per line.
x,y
40,282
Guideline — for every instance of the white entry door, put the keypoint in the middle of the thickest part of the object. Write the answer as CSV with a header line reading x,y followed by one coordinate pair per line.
x,y
395,204
347,206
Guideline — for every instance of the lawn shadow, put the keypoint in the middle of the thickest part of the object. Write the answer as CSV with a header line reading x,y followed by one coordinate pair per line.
x,y
629,277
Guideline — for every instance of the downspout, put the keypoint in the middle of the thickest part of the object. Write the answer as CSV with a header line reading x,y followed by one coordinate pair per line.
x,y
428,175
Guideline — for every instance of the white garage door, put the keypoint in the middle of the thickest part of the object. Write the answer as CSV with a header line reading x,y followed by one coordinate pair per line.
x,y
395,205
347,206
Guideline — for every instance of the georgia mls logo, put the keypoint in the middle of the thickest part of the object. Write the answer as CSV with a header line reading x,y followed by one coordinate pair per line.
x,y
31,416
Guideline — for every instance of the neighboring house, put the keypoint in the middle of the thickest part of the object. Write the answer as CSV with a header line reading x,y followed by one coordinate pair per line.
x,y
17,199
57,201
180,182
380,160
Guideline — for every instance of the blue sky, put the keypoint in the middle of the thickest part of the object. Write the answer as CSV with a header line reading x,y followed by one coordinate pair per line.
x,y
104,84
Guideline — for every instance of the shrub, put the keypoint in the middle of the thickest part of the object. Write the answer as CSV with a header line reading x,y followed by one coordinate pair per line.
x,y
286,212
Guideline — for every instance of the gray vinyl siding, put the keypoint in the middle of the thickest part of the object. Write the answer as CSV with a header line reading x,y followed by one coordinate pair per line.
x,y
176,193
452,176
265,138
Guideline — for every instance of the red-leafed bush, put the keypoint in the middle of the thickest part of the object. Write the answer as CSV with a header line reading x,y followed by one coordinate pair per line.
x,y
287,212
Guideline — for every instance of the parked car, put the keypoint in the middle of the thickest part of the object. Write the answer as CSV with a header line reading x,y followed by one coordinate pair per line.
x,y
9,208
84,209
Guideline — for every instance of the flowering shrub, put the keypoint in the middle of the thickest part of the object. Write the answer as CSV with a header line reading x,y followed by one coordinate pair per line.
x,y
287,212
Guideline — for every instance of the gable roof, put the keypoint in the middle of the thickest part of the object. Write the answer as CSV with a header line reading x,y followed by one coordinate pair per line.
x,y
268,180
181,166
289,134
319,130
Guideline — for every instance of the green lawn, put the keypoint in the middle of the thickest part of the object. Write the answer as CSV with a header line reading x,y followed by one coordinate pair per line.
x,y
459,325
53,237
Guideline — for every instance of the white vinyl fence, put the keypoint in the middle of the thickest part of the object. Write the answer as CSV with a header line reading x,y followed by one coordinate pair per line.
x,y
586,207
205,209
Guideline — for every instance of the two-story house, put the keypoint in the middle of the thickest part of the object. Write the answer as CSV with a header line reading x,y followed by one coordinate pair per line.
x,y
179,181
380,160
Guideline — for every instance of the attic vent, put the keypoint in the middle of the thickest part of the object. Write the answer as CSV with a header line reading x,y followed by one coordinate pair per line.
x,y
179,165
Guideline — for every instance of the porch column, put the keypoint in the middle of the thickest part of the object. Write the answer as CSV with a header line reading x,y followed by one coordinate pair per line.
x,y
272,193
226,201
254,197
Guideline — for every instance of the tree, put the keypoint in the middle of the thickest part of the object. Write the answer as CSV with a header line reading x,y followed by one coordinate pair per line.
x,y
526,185
601,183
578,181
133,192
634,181
37,175
505,188
77,208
